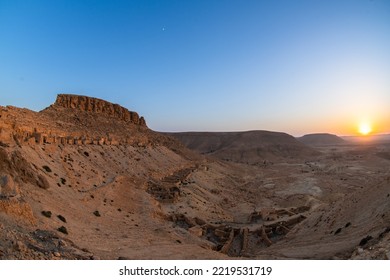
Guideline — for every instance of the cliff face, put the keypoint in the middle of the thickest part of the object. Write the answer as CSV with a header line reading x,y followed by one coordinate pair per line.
x,y
74,120
89,104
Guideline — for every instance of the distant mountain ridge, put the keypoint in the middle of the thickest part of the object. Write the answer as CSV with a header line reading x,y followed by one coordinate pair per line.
x,y
319,139
245,147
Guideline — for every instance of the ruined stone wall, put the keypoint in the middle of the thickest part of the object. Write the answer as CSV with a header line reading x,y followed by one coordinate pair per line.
x,y
89,104
33,136
44,138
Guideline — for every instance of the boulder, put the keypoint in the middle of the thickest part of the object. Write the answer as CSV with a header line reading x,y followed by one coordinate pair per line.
x,y
42,182
8,188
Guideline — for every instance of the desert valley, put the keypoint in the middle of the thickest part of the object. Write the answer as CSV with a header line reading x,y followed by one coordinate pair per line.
x,y
87,179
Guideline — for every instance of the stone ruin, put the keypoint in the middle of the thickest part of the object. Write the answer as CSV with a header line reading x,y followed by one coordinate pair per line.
x,y
264,228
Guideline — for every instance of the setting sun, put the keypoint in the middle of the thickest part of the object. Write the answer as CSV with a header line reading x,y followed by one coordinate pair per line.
x,y
365,128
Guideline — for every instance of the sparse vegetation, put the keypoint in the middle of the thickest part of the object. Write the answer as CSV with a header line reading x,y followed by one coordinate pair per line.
x,y
46,168
63,230
365,240
62,218
215,191
47,214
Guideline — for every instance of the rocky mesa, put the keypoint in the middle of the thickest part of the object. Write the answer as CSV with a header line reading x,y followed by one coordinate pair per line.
x,y
96,105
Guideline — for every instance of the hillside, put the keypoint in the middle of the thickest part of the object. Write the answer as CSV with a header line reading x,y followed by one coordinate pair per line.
x,y
252,147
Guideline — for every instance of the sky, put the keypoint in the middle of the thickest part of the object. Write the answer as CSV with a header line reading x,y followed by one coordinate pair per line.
x,y
293,66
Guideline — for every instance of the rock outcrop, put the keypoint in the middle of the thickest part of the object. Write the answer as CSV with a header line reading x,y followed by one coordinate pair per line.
x,y
8,188
96,105
321,139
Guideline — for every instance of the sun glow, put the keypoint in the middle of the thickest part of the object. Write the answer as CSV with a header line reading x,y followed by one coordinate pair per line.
x,y
365,128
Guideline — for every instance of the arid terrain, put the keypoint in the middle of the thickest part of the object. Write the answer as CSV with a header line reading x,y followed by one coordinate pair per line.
x,y
87,179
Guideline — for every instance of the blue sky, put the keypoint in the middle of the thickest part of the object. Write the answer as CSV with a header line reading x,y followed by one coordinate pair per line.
x,y
293,66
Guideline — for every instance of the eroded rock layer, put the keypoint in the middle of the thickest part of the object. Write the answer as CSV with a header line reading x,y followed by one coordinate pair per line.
x,y
96,105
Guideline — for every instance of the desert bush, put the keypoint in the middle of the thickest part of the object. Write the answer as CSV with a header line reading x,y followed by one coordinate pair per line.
x,y
215,191
62,218
47,214
365,240
96,213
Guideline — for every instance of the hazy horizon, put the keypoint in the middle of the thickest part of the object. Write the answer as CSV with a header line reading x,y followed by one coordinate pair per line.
x,y
297,67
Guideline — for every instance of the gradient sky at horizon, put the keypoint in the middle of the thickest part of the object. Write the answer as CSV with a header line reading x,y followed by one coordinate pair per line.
x,y
293,66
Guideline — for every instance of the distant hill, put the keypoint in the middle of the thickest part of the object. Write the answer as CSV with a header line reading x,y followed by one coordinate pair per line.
x,y
321,139
87,179
245,147
379,138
